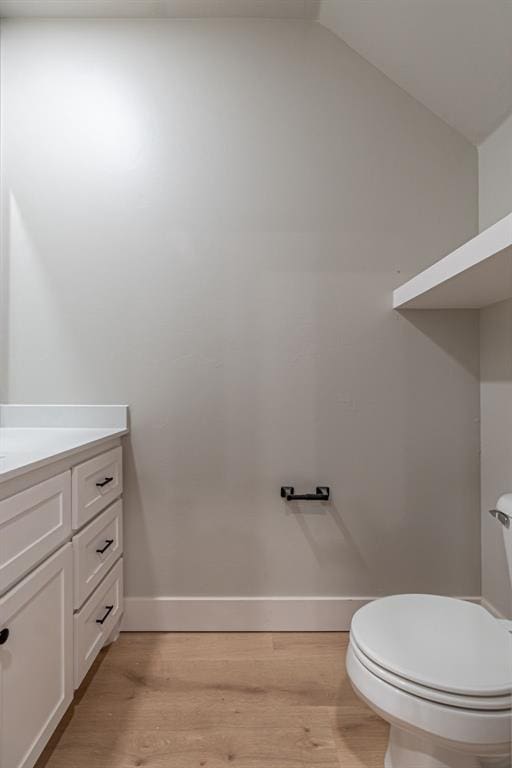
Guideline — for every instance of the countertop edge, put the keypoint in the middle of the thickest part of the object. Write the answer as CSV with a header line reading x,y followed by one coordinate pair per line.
x,y
56,456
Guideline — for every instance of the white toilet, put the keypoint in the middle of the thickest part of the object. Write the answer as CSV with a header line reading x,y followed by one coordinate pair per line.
x,y
439,670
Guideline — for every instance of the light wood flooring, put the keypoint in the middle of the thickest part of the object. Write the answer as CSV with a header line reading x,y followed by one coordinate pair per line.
x,y
209,700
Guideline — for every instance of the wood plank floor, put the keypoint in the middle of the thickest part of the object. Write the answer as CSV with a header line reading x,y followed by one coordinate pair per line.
x,y
209,700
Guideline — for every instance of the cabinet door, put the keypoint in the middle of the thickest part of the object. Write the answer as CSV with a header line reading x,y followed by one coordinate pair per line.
x,y
36,659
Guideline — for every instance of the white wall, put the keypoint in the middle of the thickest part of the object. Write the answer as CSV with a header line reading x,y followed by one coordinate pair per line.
x,y
495,171
496,396
206,220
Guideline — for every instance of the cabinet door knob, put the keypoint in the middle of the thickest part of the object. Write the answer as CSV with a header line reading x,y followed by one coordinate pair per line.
x,y
4,636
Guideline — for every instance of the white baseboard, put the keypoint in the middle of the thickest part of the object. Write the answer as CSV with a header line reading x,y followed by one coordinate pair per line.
x,y
241,614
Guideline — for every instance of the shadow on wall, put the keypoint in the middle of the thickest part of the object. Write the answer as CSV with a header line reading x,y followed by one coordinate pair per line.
x,y
433,482
444,327
303,511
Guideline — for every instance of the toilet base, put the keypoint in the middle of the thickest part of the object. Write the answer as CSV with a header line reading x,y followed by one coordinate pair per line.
x,y
406,750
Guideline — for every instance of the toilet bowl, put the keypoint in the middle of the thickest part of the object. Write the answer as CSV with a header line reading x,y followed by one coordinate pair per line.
x,y
439,671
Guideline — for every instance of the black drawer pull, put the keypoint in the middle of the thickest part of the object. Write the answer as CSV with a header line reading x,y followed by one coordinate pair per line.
x,y
108,543
4,636
109,608
104,482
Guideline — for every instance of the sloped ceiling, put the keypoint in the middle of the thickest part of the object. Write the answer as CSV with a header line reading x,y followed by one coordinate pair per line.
x,y
454,56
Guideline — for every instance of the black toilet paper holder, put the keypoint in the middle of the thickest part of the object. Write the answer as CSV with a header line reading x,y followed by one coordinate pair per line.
x,y
323,493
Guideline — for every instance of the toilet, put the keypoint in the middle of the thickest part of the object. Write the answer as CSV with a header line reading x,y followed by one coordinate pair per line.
x,y
439,671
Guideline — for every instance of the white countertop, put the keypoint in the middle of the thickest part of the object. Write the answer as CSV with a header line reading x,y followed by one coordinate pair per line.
x,y
24,449
32,436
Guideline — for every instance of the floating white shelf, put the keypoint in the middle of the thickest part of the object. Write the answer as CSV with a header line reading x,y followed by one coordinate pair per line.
x,y
477,274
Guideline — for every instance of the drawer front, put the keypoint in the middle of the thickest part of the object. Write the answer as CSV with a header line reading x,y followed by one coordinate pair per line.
x,y
33,524
96,548
96,484
96,620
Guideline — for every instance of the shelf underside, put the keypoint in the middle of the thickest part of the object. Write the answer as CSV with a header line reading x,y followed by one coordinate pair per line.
x,y
476,275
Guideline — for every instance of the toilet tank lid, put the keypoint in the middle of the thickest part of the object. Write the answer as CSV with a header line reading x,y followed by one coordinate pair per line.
x,y
441,642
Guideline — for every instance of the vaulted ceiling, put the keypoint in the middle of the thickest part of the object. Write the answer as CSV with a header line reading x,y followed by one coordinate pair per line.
x,y
454,56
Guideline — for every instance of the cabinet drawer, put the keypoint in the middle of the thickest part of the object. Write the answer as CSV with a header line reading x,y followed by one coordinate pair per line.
x,y
96,620
95,484
36,661
33,524
96,548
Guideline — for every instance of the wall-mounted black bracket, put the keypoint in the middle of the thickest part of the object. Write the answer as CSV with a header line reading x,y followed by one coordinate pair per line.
x,y
323,493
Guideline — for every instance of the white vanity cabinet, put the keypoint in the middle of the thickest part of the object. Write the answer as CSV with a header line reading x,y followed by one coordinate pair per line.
x,y
61,592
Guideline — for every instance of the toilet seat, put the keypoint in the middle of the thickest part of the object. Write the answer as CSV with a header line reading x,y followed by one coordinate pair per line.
x,y
438,648
480,703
